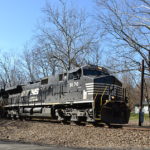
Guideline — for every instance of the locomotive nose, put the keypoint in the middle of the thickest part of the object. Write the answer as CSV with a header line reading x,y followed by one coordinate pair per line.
x,y
108,80
115,112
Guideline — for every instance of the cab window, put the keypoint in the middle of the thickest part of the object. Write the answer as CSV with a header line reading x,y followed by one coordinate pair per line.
x,y
75,75
93,72
63,77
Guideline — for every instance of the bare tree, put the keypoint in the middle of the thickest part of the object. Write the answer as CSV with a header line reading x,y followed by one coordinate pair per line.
x,y
44,61
11,73
28,65
127,25
66,36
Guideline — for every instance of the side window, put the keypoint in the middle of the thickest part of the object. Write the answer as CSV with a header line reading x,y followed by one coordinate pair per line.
x,y
44,81
50,90
63,77
60,77
70,77
75,75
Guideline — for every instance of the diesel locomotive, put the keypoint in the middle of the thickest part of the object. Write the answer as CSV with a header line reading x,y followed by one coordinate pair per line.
x,y
85,94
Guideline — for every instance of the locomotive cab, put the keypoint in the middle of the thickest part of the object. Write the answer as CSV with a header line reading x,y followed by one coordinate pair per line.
x,y
106,92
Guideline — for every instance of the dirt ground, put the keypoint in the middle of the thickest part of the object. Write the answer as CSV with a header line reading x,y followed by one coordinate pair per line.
x,y
73,136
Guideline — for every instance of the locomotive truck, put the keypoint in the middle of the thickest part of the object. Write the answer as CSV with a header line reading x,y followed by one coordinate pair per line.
x,y
85,94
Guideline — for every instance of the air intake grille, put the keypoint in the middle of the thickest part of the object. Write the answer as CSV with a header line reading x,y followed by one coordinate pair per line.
x,y
106,89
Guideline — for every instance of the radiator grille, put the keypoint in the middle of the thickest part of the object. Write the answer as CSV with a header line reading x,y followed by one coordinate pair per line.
x,y
99,88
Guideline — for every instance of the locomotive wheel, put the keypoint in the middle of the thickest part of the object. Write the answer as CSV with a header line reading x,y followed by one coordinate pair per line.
x,y
20,118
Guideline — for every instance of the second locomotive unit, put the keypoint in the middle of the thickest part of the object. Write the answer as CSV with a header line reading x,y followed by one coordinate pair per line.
x,y
85,94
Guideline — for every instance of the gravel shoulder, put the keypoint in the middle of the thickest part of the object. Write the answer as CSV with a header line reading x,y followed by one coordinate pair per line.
x,y
74,136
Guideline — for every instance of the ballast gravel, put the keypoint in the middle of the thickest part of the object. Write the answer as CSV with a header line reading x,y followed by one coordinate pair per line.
x,y
74,136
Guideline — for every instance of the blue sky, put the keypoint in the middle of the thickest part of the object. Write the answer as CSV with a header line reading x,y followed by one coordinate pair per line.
x,y
18,19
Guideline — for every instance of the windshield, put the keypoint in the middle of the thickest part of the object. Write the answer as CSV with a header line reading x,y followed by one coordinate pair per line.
x,y
90,72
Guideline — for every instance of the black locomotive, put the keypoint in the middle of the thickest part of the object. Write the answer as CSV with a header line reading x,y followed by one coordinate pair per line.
x,y
85,94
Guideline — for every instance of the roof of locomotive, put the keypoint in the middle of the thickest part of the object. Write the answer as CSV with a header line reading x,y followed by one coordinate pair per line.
x,y
31,85
90,67
52,79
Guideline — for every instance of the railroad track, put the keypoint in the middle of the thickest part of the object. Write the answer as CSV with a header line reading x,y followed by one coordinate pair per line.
x,y
136,127
101,125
